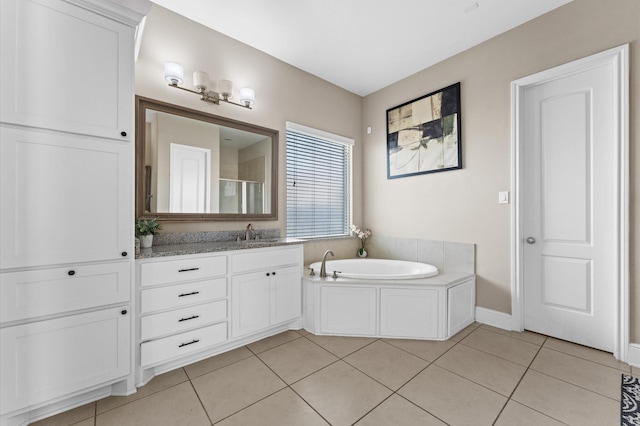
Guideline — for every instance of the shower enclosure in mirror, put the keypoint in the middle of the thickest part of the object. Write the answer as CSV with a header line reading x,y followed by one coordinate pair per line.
x,y
194,166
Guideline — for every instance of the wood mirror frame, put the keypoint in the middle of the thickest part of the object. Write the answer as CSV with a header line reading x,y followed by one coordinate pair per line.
x,y
142,175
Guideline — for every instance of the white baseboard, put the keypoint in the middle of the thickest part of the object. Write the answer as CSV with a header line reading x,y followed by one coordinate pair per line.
x,y
634,354
493,318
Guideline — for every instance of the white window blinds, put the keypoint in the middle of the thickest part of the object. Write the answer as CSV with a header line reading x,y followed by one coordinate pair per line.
x,y
318,183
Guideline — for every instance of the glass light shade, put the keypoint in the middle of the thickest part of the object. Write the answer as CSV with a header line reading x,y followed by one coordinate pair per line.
x,y
247,96
200,81
173,73
225,87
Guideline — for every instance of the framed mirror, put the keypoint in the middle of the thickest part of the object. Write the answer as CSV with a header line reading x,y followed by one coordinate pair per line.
x,y
194,166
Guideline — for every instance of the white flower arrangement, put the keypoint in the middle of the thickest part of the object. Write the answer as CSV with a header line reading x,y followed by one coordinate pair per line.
x,y
363,235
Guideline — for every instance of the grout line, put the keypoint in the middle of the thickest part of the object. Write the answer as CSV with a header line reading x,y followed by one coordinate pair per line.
x,y
206,413
426,411
517,384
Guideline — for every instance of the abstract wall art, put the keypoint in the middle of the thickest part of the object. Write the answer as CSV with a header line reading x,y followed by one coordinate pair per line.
x,y
423,135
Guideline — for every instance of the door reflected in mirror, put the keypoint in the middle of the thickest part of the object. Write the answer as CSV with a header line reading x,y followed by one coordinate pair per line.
x,y
192,165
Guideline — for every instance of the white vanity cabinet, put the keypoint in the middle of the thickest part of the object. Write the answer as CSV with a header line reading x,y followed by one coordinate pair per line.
x,y
183,306
195,306
66,210
266,288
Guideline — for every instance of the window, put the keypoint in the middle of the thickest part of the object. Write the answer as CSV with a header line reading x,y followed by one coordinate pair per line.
x,y
318,183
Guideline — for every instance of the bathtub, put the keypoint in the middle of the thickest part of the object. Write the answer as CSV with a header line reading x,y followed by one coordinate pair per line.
x,y
388,299
377,269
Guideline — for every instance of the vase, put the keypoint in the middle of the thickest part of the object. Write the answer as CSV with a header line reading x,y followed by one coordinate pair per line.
x,y
146,241
362,252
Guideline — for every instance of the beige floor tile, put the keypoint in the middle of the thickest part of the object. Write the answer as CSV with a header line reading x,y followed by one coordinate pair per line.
x,y
340,393
88,422
178,405
635,371
213,363
453,399
273,341
387,364
295,360
158,383
281,408
595,355
485,369
70,417
580,372
502,346
303,332
465,332
234,387
397,411
428,350
527,336
340,346
515,414
566,402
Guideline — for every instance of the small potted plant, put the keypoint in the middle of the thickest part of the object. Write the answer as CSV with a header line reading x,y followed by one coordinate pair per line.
x,y
146,229
362,235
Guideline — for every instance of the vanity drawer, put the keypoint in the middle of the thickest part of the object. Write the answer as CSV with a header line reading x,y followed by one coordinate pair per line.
x,y
182,319
266,258
170,271
30,294
180,295
161,350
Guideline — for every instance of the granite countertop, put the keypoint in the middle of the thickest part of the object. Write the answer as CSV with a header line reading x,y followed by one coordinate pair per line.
x,y
179,249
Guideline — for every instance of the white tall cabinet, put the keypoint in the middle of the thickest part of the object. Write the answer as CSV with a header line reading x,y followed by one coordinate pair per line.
x,y
66,212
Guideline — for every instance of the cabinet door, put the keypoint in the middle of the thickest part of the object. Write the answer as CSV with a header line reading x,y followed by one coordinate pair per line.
x,y
250,300
45,360
65,199
348,310
286,294
35,293
65,68
409,313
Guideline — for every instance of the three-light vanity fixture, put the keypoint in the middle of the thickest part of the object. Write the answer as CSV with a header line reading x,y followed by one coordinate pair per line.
x,y
174,75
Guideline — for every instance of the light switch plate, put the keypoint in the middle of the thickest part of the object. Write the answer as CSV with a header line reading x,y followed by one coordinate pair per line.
x,y
503,197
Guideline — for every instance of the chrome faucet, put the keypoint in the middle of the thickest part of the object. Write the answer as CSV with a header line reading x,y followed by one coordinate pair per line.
x,y
323,267
248,233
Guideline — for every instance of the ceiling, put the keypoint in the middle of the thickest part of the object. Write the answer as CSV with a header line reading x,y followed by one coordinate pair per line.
x,y
361,45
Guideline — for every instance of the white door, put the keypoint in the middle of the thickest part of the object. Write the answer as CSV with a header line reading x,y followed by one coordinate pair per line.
x,y
570,206
65,198
189,179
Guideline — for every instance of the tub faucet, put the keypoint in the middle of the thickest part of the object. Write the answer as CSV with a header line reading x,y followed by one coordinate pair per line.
x,y
248,233
323,266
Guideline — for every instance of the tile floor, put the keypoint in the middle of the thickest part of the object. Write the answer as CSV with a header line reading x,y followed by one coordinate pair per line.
x,y
482,376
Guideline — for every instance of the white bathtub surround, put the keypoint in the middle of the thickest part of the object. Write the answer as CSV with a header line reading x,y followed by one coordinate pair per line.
x,y
377,269
433,308
444,255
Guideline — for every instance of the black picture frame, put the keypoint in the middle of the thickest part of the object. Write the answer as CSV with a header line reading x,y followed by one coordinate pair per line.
x,y
424,135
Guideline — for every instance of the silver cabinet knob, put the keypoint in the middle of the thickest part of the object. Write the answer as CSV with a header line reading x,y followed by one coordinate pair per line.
x,y
531,240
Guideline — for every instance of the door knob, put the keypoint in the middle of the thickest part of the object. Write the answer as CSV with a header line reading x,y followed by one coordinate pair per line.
x,y
531,240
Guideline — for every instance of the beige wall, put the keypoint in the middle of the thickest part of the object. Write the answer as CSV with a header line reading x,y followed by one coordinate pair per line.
x,y
452,206
462,205
283,93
